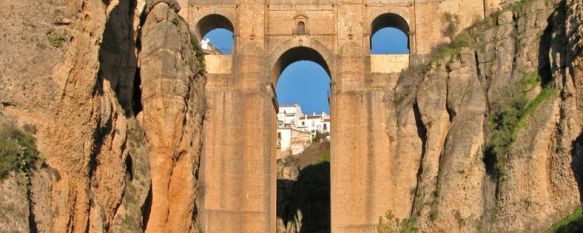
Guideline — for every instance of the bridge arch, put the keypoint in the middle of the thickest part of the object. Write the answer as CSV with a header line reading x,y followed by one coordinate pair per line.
x,y
300,50
390,20
209,24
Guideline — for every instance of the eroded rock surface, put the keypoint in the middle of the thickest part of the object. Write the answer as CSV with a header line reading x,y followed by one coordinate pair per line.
x,y
499,119
70,68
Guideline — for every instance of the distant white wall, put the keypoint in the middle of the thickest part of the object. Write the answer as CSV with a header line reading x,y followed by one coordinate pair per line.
x,y
389,63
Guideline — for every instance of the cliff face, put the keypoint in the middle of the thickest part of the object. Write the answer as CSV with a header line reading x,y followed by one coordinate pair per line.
x,y
90,76
497,120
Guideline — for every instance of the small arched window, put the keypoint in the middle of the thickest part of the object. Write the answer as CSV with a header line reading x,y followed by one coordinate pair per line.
x,y
301,29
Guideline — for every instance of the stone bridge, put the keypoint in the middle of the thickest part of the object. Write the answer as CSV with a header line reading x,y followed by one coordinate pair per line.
x,y
238,166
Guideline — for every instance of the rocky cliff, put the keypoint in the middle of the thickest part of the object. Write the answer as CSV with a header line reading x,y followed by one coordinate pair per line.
x,y
491,127
113,89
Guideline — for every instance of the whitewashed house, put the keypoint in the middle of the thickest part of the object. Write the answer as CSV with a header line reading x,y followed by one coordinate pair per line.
x,y
316,123
296,130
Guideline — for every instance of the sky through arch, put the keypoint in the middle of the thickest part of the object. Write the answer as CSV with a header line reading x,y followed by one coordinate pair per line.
x,y
389,40
305,83
222,39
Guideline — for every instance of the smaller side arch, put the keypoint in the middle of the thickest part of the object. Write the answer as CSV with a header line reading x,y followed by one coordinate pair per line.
x,y
392,20
211,22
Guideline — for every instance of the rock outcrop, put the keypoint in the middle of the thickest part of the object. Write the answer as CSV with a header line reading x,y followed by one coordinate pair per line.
x,y
495,120
173,106
71,69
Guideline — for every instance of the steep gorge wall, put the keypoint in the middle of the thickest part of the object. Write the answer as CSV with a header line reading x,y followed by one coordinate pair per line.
x,y
113,89
497,120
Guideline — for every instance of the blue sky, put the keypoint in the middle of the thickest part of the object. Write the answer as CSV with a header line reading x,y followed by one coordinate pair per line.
x,y
306,82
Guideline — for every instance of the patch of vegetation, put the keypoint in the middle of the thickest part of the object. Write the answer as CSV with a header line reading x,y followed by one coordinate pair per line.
x,y
17,150
433,212
571,223
440,52
324,157
56,39
320,136
503,125
529,81
520,5
545,94
198,56
511,116
390,224
316,153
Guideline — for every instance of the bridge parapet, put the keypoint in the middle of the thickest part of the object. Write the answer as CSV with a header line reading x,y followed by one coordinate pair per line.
x,y
389,63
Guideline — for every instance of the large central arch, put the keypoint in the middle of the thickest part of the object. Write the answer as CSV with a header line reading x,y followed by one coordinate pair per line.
x,y
301,209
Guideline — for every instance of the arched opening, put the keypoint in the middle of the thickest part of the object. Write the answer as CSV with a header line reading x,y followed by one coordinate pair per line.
x,y
299,54
303,143
216,34
389,35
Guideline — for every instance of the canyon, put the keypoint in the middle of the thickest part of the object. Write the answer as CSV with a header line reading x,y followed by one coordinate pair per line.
x,y
481,132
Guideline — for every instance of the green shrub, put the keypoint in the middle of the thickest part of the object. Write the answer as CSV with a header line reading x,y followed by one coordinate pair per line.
x,y
320,136
529,81
520,5
315,153
503,126
571,223
17,150
545,94
390,224
510,117
56,39
442,51
198,55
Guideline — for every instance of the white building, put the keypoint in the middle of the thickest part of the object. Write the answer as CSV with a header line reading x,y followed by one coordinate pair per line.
x,y
292,141
296,129
316,123
289,115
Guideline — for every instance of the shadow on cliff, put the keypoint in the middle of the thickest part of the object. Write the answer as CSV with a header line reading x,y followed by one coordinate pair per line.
x,y
577,163
120,73
117,58
576,225
310,195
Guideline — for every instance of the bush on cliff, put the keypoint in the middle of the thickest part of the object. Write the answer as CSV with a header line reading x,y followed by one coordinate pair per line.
x,y
17,150
390,224
569,224
509,116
